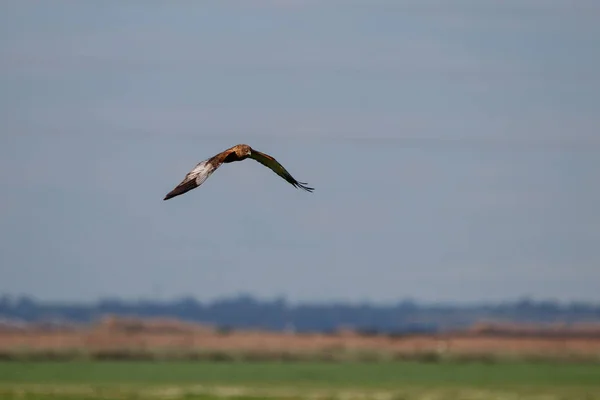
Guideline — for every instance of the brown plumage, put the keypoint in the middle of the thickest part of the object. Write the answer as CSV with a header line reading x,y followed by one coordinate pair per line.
x,y
240,152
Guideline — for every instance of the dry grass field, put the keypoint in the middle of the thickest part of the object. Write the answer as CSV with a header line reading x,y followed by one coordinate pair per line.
x,y
114,338
165,359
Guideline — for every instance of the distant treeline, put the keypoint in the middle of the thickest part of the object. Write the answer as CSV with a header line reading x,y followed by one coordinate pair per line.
x,y
246,312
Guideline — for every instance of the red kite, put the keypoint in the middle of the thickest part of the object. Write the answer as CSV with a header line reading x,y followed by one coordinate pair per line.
x,y
204,169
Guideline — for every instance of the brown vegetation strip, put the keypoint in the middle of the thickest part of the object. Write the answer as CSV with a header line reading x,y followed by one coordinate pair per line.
x,y
114,335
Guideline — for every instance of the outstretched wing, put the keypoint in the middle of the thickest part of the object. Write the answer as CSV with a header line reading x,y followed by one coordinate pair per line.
x,y
274,165
194,178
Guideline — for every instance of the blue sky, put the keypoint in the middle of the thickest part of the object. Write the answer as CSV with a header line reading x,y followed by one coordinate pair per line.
x,y
453,147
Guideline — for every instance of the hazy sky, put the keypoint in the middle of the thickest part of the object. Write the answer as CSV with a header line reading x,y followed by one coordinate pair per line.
x,y
454,148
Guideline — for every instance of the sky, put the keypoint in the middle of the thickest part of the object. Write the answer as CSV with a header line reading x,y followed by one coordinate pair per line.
x,y
454,148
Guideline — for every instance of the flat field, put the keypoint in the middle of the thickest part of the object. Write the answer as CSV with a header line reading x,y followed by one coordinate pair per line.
x,y
305,380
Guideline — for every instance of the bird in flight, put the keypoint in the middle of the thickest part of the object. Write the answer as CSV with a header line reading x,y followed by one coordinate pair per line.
x,y
240,152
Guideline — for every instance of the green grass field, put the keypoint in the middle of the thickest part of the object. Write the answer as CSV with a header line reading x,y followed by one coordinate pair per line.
x,y
202,380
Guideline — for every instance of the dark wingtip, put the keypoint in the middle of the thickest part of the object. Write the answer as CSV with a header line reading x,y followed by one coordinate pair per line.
x,y
173,193
180,189
303,186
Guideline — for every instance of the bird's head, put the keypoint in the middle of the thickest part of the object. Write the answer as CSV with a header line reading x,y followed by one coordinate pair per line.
x,y
243,150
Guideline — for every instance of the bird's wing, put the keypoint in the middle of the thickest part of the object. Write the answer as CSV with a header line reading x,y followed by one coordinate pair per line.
x,y
195,177
274,165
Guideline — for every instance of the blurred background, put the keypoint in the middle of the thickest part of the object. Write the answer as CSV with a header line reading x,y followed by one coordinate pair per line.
x,y
453,148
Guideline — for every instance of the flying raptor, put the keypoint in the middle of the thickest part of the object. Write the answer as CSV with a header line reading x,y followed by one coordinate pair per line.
x,y
240,152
